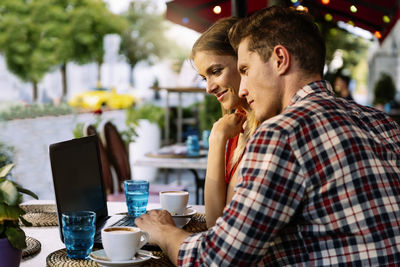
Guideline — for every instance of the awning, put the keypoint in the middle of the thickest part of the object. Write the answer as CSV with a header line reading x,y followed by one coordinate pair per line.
x,y
376,16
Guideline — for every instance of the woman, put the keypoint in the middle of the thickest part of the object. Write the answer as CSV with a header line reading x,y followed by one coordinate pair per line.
x,y
216,62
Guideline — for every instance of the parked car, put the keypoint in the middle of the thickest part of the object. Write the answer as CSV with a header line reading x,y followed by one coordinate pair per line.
x,y
99,97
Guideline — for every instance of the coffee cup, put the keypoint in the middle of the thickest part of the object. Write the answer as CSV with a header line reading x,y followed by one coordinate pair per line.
x,y
174,202
122,243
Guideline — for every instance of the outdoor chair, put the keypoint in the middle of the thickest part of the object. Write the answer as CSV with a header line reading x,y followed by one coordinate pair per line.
x,y
105,163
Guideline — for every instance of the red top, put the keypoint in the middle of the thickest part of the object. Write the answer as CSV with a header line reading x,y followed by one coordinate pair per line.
x,y
230,150
229,169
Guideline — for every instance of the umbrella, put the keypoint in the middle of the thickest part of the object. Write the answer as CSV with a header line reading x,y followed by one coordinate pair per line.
x,y
376,16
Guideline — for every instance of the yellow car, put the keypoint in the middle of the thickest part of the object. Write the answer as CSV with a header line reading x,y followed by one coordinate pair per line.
x,y
100,97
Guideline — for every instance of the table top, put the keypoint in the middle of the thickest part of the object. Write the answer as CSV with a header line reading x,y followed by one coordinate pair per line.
x,y
49,236
171,157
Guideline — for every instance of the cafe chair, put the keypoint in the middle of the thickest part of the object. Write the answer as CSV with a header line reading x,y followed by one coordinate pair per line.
x,y
117,153
105,163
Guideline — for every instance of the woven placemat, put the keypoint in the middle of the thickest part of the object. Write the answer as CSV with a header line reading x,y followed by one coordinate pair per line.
x,y
33,248
196,224
60,258
40,215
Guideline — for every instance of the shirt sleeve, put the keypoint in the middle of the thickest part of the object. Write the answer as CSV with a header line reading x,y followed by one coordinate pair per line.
x,y
266,199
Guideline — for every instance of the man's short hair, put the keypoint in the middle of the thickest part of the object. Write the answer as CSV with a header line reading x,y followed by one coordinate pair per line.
x,y
276,25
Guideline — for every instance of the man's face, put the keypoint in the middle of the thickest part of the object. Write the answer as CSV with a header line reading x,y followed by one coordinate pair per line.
x,y
259,83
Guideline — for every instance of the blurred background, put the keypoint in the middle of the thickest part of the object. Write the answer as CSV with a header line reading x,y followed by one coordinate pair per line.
x,y
65,64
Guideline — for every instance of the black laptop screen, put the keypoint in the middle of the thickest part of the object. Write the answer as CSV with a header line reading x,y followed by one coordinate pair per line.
x,y
77,176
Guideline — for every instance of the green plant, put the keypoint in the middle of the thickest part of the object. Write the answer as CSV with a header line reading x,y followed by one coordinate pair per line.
x,y
34,111
384,90
10,210
148,112
210,112
6,154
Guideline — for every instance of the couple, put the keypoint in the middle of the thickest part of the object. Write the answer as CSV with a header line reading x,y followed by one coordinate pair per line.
x,y
319,181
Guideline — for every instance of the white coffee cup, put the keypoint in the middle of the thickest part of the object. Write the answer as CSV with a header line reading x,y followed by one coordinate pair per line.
x,y
174,202
122,243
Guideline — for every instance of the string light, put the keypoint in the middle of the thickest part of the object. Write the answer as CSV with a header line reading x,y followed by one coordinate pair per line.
x,y
217,9
353,8
294,1
325,2
350,23
386,19
378,35
328,17
302,8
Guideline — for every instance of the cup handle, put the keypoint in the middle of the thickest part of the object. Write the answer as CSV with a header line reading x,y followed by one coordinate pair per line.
x,y
143,238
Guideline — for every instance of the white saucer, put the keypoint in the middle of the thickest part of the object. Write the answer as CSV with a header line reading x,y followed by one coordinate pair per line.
x,y
100,257
183,219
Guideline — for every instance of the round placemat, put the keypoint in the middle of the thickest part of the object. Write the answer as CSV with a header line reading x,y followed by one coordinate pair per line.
x,y
196,224
33,247
60,258
40,215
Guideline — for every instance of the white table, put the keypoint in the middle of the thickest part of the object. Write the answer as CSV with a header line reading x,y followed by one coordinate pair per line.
x,y
180,163
49,237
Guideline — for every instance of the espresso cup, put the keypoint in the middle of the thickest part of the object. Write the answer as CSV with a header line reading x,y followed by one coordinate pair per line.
x,y
122,243
174,202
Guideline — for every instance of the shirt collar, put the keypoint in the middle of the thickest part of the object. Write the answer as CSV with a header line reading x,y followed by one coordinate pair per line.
x,y
321,86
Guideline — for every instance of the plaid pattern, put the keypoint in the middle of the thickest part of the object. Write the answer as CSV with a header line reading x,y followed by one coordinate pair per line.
x,y
320,186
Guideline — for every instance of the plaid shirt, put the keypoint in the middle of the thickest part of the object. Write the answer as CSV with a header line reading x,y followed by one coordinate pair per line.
x,y
319,186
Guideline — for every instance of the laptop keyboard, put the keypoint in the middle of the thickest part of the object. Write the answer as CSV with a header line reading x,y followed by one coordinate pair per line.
x,y
125,221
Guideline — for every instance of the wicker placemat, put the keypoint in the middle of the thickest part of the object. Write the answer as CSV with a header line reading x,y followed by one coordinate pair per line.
x,y
60,258
40,215
196,224
33,248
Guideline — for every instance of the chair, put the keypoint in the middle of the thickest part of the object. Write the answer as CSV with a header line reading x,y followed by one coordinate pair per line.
x,y
105,164
117,153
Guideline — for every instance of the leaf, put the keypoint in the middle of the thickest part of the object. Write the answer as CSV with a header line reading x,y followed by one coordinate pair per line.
x,y
28,192
6,169
25,222
8,193
9,213
16,237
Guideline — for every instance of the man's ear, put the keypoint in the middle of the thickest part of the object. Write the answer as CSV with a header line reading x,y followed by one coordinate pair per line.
x,y
281,58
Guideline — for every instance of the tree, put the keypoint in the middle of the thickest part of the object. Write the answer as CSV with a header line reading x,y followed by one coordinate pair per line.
x,y
28,38
84,26
144,40
384,90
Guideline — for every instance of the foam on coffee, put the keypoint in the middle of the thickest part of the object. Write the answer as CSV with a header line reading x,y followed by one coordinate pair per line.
x,y
121,230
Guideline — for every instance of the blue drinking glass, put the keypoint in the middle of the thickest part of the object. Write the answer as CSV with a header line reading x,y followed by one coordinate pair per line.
x,y
192,145
79,229
137,195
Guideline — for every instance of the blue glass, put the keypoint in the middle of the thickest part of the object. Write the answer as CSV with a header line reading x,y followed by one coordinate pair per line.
x,y
137,195
79,229
204,138
192,145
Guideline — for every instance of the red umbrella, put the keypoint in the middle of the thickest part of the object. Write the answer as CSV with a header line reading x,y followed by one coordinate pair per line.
x,y
376,16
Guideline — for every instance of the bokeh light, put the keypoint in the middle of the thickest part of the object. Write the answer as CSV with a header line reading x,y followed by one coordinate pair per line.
x,y
325,2
386,19
328,17
353,8
185,20
217,9
378,34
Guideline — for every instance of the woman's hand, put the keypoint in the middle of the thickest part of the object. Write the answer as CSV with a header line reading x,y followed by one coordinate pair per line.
x,y
227,127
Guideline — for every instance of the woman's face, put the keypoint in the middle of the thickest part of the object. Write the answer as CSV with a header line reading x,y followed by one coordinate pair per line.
x,y
222,77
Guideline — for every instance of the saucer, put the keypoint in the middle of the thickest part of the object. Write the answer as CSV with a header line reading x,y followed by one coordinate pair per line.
x,y
100,257
183,219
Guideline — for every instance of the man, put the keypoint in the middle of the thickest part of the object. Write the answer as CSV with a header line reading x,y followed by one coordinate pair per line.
x,y
320,182
341,85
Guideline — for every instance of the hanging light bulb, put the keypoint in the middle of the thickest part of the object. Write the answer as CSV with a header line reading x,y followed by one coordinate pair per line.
x,y
386,19
328,17
217,9
378,35
325,2
353,8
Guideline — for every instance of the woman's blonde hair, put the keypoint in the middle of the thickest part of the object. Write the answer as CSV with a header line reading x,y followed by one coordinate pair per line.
x,y
216,39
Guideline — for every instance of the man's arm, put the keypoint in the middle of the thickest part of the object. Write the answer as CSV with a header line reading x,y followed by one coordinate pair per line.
x,y
163,232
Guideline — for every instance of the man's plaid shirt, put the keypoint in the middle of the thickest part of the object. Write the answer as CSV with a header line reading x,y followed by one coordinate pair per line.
x,y
319,186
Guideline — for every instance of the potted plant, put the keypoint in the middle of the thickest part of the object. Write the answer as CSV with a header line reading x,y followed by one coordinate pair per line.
x,y
384,91
12,237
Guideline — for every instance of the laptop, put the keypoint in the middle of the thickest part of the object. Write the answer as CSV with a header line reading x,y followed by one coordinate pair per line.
x,y
78,183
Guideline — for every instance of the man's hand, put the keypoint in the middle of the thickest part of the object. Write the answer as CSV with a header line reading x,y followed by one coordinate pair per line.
x,y
162,231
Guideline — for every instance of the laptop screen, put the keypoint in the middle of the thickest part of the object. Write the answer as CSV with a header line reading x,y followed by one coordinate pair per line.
x,y
77,176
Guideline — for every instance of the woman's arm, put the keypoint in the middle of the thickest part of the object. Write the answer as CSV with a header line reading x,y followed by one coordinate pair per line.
x,y
215,186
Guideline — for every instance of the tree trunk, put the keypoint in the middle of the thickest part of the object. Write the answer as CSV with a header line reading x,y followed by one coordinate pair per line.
x,y
99,72
64,81
131,75
35,91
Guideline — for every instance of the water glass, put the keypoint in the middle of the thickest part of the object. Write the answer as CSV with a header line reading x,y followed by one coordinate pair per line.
x,y
192,145
204,138
79,229
136,194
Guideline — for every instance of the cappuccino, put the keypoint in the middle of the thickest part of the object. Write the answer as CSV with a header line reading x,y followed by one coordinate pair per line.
x,y
174,202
